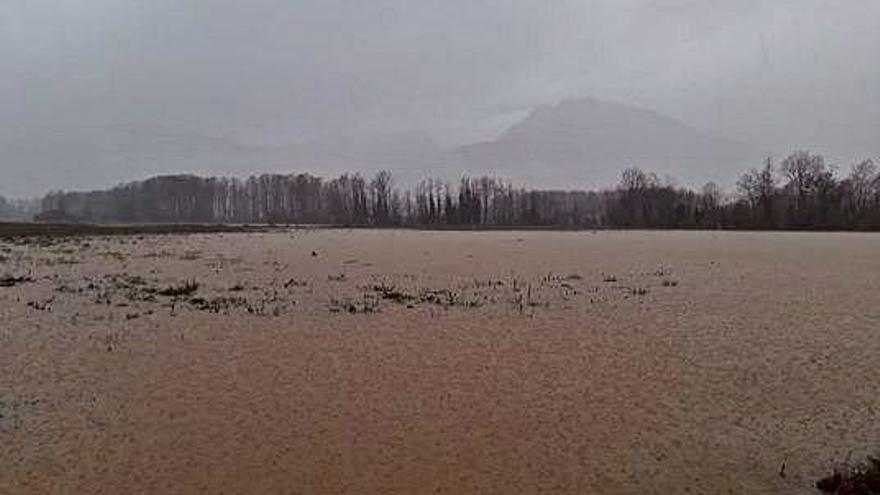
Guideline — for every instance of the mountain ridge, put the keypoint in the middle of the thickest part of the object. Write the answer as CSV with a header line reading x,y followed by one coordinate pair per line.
x,y
590,141
576,142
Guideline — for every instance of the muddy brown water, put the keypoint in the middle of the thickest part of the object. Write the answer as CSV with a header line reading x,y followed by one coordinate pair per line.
x,y
438,362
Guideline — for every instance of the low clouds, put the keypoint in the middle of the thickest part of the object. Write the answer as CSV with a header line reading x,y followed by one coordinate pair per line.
x,y
777,73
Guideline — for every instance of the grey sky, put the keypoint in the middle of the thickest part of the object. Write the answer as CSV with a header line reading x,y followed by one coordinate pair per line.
x,y
779,74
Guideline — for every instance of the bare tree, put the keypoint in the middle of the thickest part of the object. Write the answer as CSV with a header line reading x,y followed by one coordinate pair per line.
x,y
864,181
758,188
811,197
380,188
805,175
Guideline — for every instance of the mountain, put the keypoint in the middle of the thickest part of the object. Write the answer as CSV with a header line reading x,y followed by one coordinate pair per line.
x,y
582,143
411,155
87,157
588,142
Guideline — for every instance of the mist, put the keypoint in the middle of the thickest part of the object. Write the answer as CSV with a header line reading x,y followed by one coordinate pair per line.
x,y
85,80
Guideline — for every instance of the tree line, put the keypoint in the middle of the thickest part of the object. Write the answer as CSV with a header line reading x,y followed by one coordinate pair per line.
x,y
16,210
801,192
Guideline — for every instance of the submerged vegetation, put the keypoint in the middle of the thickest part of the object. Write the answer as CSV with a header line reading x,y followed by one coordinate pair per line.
x,y
863,479
12,281
186,288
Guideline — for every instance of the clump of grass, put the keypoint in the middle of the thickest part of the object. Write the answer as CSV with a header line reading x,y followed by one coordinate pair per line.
x,y
159,254
42,305
295,283
609,279
191,255
863,479
353,307
574,276
61,260
116,255
447,298
66,289
639,291
219,304
125,280
11,281
187,288
392,293
667,282
135,280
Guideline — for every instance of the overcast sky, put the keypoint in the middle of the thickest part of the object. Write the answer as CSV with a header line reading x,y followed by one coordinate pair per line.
x,y
779,74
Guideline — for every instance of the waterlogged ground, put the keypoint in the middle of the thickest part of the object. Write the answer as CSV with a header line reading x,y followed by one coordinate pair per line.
x,y
338,361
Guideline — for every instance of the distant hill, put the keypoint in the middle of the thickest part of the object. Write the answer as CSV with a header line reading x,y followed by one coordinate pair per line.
x,y
87,157
412,156
589,141
581,143
110,153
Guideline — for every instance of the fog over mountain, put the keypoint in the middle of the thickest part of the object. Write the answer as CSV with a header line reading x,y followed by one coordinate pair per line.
x,y
97,92
587,142
576,143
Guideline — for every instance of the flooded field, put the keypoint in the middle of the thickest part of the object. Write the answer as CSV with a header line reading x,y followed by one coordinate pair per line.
x,y
382,361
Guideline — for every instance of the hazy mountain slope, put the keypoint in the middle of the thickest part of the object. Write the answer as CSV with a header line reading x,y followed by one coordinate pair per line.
x,y
412,156
110,153
589,141
576,143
